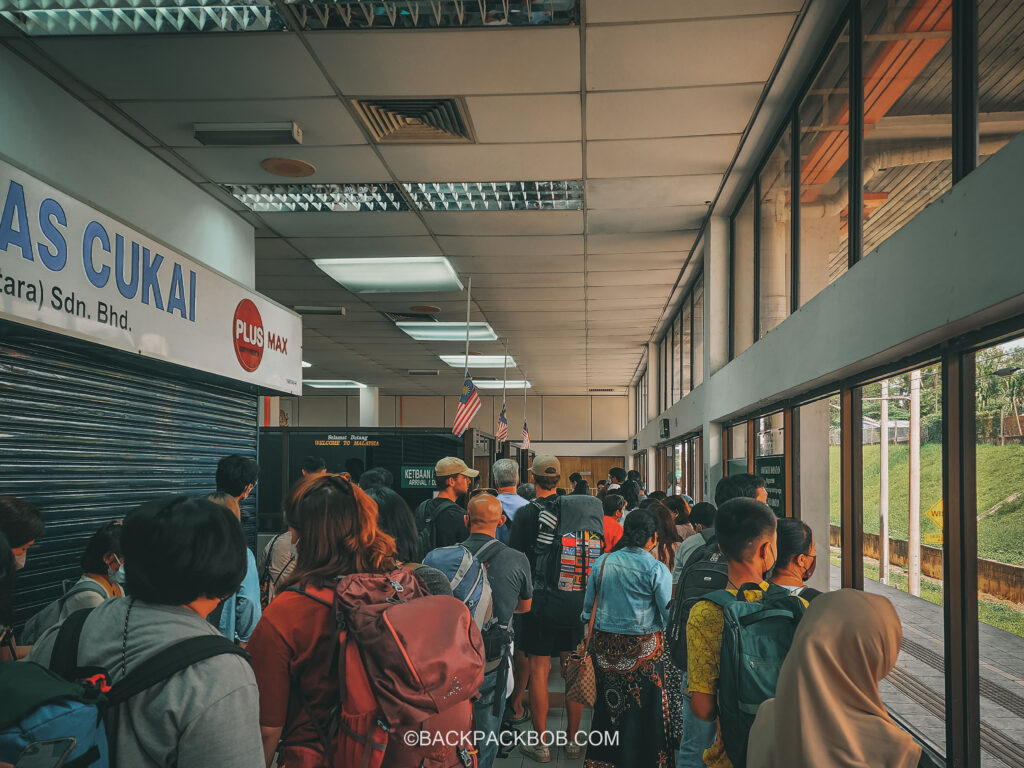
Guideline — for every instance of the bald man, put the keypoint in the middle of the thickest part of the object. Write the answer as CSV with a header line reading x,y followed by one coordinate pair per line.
x,y
508,572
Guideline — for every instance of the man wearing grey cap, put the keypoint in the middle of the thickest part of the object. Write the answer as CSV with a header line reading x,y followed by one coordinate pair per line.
x,y
441,521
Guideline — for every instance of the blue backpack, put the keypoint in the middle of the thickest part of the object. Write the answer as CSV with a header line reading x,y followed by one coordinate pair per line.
x,y
467,576
76,705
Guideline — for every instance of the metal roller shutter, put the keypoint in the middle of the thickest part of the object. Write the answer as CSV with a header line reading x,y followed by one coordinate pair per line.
x,y
87,434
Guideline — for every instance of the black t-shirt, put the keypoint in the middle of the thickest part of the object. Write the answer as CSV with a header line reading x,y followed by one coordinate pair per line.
x,y
526,526
449,520
508,573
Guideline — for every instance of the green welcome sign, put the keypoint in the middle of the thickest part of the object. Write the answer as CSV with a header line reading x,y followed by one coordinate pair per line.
x,y
418,476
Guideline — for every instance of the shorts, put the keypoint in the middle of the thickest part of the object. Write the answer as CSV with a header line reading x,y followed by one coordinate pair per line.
x,y
540,639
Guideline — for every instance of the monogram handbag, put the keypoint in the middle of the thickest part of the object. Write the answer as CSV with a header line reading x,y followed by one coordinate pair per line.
x,y
580,682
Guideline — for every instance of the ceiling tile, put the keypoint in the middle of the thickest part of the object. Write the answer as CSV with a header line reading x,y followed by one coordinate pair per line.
x,y
520,119
214,66
324,121
491,162
645,219
617,261
504,222
328,247
561,245
697,155
517,269
675,112
241,165
677,54
651,242
652,191
344,224
664,277
451,62
605,11
275,248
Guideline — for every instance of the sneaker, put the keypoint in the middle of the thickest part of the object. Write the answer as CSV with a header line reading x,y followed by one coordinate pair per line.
x,y
574,751
537,752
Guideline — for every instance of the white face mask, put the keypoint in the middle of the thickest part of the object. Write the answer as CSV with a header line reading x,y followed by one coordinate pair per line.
x,y
116,577
19,561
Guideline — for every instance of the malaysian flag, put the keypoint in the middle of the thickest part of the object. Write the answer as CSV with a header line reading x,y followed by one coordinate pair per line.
x,y
501,433
469,404
526,435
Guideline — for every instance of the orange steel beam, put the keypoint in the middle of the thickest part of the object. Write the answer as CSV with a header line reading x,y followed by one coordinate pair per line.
x,y
891,74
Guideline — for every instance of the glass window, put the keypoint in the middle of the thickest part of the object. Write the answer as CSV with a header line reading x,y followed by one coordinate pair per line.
x,y
698,331
908,105
677,390
743,277
664,391
817,477
737,459
774,245
824,168
687,346
1000,87
769,460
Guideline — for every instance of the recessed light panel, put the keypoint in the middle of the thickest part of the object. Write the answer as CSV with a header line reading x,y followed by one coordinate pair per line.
x,y
478,331
333,384
325,198
510,384
39,18
400,274
497,195
479,361
306,365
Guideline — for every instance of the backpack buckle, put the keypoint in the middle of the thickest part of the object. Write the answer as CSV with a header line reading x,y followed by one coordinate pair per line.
x,y
382,724
397,587
97,683
465,758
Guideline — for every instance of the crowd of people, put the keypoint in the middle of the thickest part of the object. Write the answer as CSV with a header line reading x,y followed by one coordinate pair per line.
x,y
372,632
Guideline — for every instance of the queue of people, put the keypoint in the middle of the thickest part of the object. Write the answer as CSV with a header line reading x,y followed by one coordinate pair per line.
x,y
373,632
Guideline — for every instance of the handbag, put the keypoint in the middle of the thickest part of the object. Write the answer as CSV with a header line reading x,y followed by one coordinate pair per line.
x,y
580,681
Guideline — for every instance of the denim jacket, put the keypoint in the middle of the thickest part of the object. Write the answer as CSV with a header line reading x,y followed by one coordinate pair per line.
x,y
633,595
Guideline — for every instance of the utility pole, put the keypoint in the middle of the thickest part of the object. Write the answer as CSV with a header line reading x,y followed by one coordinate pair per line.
x,y
883,488
914,512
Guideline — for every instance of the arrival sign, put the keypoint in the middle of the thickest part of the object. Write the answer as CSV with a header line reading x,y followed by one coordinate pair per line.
x,y
68,268
420,476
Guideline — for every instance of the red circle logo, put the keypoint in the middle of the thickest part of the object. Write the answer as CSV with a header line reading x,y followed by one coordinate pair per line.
x,y
248,335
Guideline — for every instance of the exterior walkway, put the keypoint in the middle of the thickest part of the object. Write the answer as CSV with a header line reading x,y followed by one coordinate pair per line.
x,y
915,690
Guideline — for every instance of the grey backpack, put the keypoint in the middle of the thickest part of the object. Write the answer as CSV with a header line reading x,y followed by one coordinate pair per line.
x,y
52,614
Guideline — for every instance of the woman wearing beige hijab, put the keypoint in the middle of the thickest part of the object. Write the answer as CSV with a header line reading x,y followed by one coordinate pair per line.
x,y
827,710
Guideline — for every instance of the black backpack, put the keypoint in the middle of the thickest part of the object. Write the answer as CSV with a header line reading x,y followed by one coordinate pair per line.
x,y
705,571
427,515
570,537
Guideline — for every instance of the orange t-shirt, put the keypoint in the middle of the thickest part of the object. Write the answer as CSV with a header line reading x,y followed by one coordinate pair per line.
x,y
612,532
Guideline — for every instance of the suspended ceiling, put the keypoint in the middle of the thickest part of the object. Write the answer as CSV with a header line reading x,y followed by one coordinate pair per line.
x,y
645,101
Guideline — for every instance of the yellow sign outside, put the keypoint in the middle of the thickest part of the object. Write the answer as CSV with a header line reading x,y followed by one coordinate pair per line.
x,y
935,513
933,539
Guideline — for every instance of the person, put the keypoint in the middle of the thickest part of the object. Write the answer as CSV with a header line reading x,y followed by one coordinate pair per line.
x,y
616,477
630,491
237,616
680,509
505,473
702,518
634,476
186,555
8,647
638,687
278,563
602,489
508,572
527,490
103,566
237,476
668,535
313,465
580,487
827,709
395,518
797,558
614,507
335,525
22,525
375,478
538,641
743,485
746,536
440,521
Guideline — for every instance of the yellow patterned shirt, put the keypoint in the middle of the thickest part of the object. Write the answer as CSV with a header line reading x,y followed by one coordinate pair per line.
x,y
703,660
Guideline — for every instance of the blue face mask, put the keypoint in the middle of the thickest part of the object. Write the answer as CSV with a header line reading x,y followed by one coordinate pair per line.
x,y
117,577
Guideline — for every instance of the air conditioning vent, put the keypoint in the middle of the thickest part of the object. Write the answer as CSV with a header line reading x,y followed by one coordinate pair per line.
x,y
423,372
605,389
415,121
408,317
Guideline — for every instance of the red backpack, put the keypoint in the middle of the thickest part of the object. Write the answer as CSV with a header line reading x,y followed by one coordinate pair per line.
x,y
407,662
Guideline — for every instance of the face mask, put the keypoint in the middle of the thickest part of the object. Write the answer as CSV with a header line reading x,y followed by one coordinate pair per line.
x,y
117,577
19,561
810,571
768,568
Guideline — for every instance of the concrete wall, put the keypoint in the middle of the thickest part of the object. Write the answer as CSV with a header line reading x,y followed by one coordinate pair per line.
x,y
56,138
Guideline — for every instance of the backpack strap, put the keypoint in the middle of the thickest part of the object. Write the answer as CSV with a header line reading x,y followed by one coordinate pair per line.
x,y
169,662
463,570
64,655
487,547
721,597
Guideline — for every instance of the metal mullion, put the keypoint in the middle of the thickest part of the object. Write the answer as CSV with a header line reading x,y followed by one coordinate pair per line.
x,y
965,88
790,459
693,338
794,213
757,257
855,176
960,561
726,449
750,445
732,286
851,512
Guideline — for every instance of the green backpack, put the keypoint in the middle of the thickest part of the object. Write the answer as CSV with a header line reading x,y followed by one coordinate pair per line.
x,y
755,640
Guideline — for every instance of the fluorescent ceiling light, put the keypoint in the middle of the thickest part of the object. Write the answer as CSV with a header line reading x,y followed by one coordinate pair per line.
x,y
306,365
510,384
479,361
401,274
497,195
426,331
322,198
125,17
333,384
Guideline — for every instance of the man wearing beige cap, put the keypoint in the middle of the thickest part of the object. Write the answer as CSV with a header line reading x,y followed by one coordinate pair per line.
x,y
441,521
